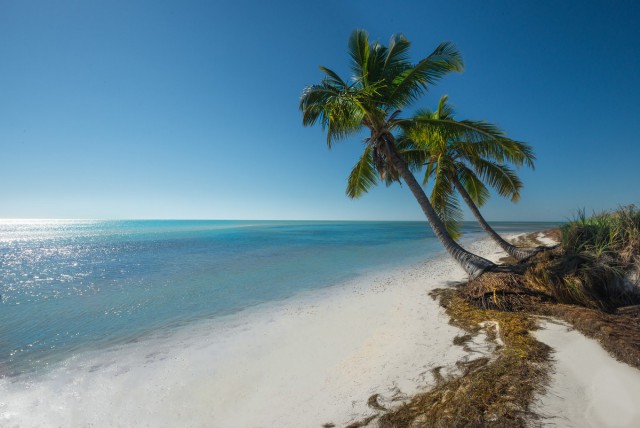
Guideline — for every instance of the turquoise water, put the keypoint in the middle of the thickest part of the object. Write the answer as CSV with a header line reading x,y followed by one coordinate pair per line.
x,y
69,286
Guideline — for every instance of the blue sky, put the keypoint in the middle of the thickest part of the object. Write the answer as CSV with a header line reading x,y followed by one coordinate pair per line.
x,y
190,109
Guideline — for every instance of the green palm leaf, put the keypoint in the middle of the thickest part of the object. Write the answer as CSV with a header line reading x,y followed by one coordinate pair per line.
x,y
443,198
363,176
359,50
338,110
498,149
413,82
375,62
414,157
332,78
472,184
397,58
500,177
426,127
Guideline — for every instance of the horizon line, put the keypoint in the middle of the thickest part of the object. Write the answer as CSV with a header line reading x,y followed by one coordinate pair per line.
x,y
16,219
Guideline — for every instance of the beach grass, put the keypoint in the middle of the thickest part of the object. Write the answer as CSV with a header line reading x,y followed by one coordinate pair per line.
x,y
613,237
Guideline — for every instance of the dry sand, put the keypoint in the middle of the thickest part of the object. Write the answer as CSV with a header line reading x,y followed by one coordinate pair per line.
x,y
589,388
545,240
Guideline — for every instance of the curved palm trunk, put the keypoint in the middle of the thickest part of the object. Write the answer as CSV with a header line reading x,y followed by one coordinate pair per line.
x,y
512,250
474,265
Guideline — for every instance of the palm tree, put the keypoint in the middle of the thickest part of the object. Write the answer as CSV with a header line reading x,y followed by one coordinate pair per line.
x,y
464,162
384,82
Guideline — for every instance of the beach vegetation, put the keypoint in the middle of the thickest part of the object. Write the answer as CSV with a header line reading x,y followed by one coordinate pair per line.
x,y
591,281
596,266
384,81
610,237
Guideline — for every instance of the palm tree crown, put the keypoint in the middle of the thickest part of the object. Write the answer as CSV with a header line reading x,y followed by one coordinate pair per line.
x,y
384,81
462,156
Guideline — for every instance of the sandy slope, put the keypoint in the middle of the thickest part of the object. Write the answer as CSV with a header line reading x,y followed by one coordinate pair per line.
x,y
589,388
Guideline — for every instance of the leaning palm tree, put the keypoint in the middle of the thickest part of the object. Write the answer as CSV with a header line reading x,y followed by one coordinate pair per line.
x,y
384,82
464,162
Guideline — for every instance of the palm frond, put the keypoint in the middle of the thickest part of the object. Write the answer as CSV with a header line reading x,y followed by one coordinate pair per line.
x,y
432,164
472,184
397,59
375,62
444,199
429,134
359,51
500,177
333,78
445,110
409,151
472,140
466,132
363,176
500,150
479,145
519,153
338,110
451,215
411,83
423,112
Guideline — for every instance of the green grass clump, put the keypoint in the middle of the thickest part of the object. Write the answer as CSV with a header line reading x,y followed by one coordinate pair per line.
x,y
597,255
610,237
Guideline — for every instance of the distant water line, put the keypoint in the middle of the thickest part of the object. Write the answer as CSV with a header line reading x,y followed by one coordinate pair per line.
x,y
68,286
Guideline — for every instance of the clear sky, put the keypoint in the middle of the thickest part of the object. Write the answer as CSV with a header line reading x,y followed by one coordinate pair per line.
x,y
189,109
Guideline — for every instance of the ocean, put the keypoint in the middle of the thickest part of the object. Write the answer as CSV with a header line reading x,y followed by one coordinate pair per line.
x,y
73,286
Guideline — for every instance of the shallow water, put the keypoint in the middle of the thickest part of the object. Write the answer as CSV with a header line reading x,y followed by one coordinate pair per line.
x,y
73,286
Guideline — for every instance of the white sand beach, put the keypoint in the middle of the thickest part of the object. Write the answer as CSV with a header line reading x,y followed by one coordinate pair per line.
x,y
589,388
545,240
307,361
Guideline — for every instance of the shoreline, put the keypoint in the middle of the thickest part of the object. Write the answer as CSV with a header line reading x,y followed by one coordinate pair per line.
x,y
326,357
312,359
